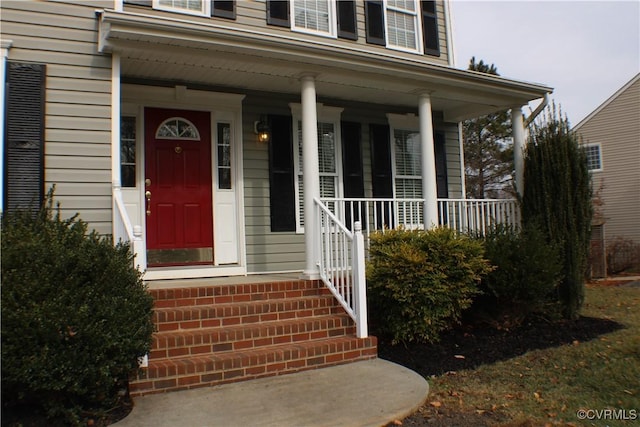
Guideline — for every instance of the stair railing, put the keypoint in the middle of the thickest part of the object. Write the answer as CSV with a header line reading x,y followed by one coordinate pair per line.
x,y
341,264
122,228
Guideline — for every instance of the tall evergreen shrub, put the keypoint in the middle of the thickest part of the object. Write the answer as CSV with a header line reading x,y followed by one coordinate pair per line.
x,y
75,317
557,199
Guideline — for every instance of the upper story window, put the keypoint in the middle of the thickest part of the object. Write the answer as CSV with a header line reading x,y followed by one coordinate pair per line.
x,y
329,18
192,7
314,16
402,25
407,25
594,157
217,8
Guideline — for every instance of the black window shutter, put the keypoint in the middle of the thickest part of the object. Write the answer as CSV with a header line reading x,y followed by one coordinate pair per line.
x,y
382,178
352,171
223,9
441,166
140,2
281,179
347,24
430,28
24,155
374,16
278,13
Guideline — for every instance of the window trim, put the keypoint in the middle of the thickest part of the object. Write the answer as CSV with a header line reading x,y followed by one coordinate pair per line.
x,y
204,11
417,19
407,123
325,114
586,150
332,18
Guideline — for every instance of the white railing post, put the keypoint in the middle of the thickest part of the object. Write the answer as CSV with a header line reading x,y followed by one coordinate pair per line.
x,y
360,282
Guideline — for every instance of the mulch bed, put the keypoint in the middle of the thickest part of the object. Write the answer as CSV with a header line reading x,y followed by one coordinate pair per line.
x,y
468,348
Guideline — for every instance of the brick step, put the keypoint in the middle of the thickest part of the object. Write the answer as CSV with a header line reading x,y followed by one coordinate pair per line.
x,y
229,314
223,294
242,337
214,369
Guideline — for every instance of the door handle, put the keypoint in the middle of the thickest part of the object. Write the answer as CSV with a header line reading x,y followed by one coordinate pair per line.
x,y
147,195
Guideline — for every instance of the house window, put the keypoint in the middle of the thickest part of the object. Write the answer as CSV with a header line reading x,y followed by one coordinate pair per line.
x,y
192,7
329,18
314,16
328,167
594,157
224,156
408,164
177,128
402,25
128,151
406,25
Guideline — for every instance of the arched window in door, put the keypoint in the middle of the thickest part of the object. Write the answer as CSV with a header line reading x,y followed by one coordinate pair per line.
x,y
177,128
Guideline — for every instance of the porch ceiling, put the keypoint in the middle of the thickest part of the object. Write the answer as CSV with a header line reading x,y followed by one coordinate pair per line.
x,y
160,48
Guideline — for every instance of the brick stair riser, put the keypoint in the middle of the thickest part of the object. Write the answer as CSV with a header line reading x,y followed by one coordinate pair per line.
x,y
194,342
174,319
209,370
223,294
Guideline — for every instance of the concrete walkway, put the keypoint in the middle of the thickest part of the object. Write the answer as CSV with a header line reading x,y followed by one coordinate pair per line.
x,y
368,393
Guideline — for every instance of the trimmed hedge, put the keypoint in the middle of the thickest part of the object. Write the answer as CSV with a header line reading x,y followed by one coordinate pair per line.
x,y
75,316
419,282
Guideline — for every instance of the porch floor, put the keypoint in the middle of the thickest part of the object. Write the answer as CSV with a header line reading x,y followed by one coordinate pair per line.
x,y
366,393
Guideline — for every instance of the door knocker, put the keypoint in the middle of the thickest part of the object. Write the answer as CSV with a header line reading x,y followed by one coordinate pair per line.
x,y
178,149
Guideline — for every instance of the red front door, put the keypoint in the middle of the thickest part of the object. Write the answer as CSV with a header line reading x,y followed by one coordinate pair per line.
x,y
178,187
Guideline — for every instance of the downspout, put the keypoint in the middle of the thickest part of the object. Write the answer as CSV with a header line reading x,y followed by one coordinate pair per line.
x,y
537,111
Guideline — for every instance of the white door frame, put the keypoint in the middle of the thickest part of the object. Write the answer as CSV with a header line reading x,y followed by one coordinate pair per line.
x,y
224,108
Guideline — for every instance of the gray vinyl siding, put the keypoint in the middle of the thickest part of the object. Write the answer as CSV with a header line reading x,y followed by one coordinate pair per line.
x,y
251,15
616,127
282,251
63,36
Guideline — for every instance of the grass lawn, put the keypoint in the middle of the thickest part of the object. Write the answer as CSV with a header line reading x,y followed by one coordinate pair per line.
x,y
552,386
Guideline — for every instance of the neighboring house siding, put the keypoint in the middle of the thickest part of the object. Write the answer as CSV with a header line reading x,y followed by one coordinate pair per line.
x,y
252,16
616,127
283,251
78,89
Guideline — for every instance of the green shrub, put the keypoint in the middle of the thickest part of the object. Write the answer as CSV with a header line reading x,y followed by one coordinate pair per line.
x,y
75,316
525,279
558,199
419,282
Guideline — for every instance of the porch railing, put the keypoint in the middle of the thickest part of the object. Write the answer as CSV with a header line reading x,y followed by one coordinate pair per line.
x,y
464,215
122,228
478,215
341,264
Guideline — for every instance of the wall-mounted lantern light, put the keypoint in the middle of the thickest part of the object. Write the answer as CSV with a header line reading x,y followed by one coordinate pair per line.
x,y
261,128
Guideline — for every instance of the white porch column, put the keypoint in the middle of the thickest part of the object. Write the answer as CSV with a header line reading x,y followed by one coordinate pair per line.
x,y
517,124
115,120
429,184
311,174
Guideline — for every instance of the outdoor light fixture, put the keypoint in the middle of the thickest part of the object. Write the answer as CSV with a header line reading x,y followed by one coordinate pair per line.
x,y
261,128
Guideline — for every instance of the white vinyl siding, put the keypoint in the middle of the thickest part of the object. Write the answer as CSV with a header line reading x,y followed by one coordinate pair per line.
x,y
63,36
615,127
251,15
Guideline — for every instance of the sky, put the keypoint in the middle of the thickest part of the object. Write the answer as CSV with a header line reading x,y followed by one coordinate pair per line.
x,y
585,50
